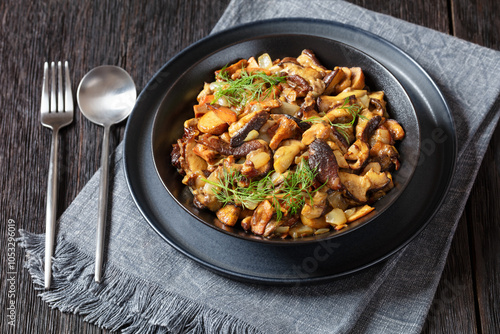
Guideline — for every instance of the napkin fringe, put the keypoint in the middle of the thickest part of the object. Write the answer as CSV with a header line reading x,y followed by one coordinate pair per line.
x,y
120,302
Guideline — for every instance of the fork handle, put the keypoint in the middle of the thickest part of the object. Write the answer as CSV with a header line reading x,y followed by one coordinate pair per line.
x,y
50,218
102,205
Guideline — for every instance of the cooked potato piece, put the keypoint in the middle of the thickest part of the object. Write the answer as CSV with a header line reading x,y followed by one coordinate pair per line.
x,y
314,222
229,214
211,123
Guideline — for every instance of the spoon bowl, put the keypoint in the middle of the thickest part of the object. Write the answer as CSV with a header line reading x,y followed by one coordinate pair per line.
x,y
106,96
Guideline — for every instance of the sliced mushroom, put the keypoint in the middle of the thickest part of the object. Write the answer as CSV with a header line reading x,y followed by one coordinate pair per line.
x,y
358,187
206,153
252,121
204,195
386,155
316,207
332,79
261,216
317,131
358,78
359,152
299,84
307,108
381,134
345,83
308,58
219,145
367,125
322,159
287,128
395,129
313,77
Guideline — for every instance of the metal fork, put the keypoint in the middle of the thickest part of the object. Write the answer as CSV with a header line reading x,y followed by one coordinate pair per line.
x,y
56,112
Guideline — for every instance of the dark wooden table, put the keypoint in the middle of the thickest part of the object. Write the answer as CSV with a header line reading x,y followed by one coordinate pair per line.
x,y
142,35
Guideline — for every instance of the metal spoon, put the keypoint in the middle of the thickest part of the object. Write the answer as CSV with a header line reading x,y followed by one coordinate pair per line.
x,y
106,96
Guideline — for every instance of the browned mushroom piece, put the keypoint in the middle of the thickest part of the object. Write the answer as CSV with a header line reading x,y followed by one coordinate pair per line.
x,y
357,154
381,134
299,84
339,115
379,107
322,159
287,128
311,76
308,108
300,123
339,140
346,82
252,121
316,207
217,144
395,129
308,59
229,214
317,131
366,127
206,153
261,217
386,155
325,103
359,187
357,78
332,79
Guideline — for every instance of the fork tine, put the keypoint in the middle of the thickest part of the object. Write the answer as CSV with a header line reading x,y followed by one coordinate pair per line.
x,y
53,102
60,95
68,99
44,108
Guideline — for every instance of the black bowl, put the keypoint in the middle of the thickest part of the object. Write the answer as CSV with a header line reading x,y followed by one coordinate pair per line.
x,y
198,65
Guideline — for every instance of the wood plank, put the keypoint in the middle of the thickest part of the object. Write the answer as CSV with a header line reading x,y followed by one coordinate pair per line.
x,y
452,310
483,214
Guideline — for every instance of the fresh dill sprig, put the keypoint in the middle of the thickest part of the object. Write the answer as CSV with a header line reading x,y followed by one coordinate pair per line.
x,y
295,189
255,86
287,198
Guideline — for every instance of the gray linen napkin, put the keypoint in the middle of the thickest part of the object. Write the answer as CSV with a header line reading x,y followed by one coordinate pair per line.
x,y
150,287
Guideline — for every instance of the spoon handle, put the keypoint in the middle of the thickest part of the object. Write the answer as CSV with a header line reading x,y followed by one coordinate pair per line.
x,y
102,205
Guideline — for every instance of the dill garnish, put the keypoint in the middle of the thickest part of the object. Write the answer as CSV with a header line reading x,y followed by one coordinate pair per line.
x,y
287,198
255,86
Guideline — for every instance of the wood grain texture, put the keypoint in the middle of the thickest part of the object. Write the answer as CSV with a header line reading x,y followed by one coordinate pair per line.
x,y
141,36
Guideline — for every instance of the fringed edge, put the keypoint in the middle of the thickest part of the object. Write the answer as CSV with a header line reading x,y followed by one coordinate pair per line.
x,y
121,302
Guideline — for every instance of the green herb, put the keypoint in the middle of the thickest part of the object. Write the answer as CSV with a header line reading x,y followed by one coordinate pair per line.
x,y
249,87
288,197
295,189
353,109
